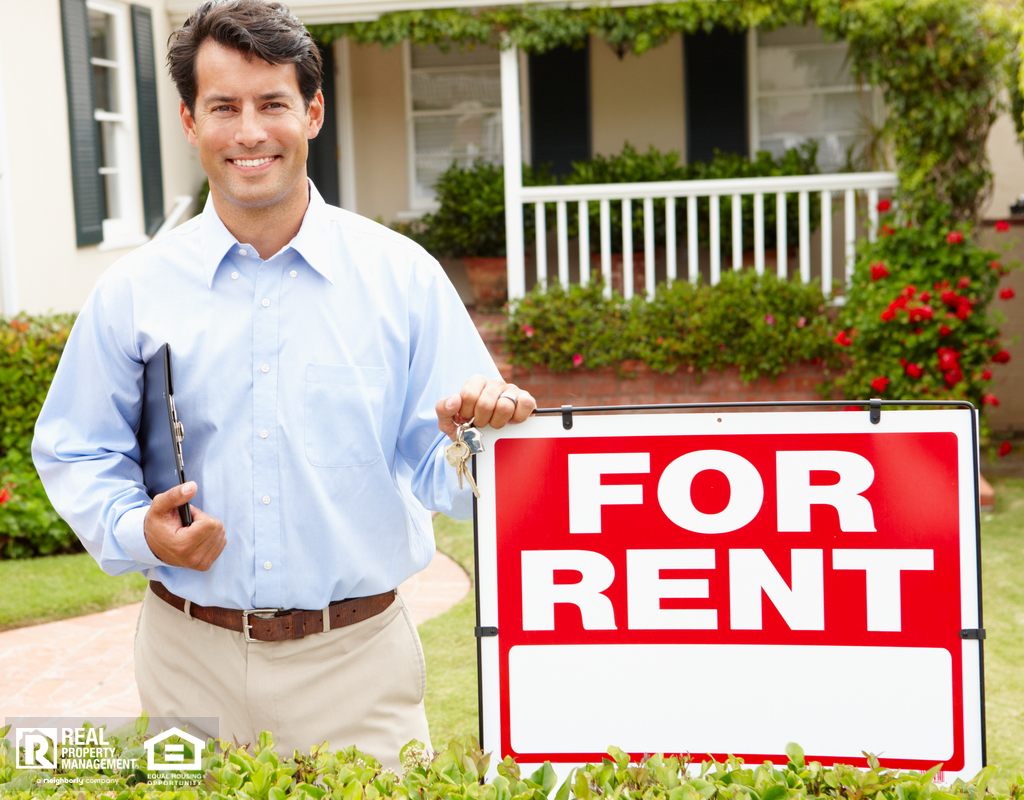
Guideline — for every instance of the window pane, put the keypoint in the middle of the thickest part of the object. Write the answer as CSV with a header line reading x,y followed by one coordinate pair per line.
x,y
789,35
784,68
835,151
461,138
811,114
104,79
474,90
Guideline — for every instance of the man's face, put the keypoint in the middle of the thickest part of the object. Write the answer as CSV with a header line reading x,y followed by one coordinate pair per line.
x,y
252,128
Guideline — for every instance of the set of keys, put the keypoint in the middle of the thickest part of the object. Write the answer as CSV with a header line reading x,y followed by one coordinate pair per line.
x,y
468,442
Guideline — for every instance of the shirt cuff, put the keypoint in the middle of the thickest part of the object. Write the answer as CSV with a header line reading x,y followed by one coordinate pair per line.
x,y
130,534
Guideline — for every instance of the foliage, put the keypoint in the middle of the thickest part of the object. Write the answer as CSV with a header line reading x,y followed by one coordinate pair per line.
x,y
940,64
539,28
758,323
30,348
471,217
916,323
458,773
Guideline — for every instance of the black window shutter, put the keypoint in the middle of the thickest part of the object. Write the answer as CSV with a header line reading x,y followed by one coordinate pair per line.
x,y
149,118
716,93
560,108
85,153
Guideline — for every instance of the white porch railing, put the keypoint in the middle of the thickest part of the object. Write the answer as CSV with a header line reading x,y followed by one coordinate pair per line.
x,y
823,188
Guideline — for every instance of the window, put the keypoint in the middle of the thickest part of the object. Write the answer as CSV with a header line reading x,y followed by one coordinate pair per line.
x,y
453,111
114,130
803,90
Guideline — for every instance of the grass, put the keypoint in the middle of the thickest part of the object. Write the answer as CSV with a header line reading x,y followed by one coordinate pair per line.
x,y
45,589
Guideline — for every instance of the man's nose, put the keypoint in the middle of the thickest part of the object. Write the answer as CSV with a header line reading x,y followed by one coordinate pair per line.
x,y
251,130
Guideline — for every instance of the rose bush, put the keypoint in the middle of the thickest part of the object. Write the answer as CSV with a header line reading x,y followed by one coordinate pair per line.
x,y
917,324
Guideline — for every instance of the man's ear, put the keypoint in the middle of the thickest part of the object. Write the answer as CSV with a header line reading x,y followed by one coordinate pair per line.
x,y
188,124
316,115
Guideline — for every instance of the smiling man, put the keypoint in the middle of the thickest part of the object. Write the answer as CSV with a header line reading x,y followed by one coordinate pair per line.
x,y
322,363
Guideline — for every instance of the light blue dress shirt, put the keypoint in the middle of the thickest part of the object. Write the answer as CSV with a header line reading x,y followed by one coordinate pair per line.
x,y
306,384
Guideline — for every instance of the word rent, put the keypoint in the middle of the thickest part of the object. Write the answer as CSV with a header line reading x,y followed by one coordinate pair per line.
x,y
749,571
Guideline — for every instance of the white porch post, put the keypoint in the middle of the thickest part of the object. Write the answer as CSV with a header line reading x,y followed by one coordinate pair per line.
x,y
512,153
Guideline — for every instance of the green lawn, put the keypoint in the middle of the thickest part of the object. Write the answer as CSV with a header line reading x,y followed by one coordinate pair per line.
x,y
53,588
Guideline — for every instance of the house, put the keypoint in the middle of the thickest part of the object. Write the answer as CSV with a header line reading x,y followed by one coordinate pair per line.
x,y
174,753
117,167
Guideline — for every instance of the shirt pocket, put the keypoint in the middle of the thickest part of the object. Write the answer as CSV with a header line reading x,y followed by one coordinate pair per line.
x,y
344,409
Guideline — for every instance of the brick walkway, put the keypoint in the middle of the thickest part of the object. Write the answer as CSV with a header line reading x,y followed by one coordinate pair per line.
x,y
84,667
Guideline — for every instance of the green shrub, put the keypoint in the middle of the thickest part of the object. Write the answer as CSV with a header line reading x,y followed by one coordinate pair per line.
x,y
471,217
458,772
916,324
30,348
759,324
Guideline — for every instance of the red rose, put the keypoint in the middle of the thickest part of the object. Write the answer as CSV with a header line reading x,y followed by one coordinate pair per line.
x,y
986,375
879,383
925,297
945,330
842,339
1007,293
1001,357
4,495
963,283
1004,449
527,330
948,358
887,231
909,290
1002,226
954,237
888,315
884,205
990,400
963,311
899,302
878,271
914,371
953,376
577,360
996,266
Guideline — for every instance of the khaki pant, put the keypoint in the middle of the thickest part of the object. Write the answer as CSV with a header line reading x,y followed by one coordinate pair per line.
x,y
362,684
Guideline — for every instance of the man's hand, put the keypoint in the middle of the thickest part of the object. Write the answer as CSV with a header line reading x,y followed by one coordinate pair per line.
x,y
195,547
486,401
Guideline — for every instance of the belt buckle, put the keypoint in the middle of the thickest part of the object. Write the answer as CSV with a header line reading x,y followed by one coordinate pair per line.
x,y
246,625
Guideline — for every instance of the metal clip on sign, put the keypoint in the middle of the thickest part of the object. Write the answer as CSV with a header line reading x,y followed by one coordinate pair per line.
x,y
875,412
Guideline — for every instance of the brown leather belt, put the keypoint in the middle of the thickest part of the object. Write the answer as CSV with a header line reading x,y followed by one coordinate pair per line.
x,y
284,624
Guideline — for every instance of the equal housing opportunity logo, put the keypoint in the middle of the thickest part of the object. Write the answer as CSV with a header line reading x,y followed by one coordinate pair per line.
x,y
60,750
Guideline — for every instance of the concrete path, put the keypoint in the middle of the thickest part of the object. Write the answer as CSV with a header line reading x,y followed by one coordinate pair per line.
x,y
84,667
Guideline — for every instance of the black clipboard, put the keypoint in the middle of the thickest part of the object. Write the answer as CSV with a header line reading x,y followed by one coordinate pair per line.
x,y
160,431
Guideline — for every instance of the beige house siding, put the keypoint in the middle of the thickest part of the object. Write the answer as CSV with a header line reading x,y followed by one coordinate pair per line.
x,y
637,99
1006,160
52,273
379,131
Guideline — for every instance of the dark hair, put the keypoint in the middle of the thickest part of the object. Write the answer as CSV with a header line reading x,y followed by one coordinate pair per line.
x,y
257,29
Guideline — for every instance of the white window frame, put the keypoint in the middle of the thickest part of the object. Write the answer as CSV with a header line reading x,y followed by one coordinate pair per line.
x,y
126,230
420,205
754,94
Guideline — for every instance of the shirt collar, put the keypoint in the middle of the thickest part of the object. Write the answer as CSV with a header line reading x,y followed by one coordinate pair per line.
x,y
310,242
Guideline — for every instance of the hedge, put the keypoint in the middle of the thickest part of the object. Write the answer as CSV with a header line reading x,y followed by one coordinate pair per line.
x,y
30,347
458,773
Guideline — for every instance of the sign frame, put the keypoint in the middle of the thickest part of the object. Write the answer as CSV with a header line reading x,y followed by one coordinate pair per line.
x,y
574,423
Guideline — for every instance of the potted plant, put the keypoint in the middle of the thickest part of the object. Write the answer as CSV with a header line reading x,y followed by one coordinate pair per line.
x,y
470,224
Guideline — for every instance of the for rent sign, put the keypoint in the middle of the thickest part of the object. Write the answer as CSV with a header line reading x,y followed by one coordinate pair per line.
x,y
727,583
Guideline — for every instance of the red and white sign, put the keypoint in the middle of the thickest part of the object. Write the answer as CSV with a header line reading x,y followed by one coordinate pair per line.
x,y
728,583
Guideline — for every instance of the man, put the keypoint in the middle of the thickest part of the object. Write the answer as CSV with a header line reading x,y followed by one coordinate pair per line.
x,y
316,355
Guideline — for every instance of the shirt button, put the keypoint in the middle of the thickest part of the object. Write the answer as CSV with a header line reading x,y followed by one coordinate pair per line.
x,y
294,273
265,368
267,565
234,276
266,302
243,252
266,499
264,434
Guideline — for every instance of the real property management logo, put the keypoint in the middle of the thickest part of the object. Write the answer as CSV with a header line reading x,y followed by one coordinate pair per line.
x,y
78,748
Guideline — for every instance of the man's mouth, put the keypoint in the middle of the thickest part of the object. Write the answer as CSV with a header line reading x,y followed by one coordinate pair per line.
x,y
252,162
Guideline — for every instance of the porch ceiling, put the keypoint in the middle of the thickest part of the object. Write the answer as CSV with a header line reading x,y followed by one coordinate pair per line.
x,y
318,12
